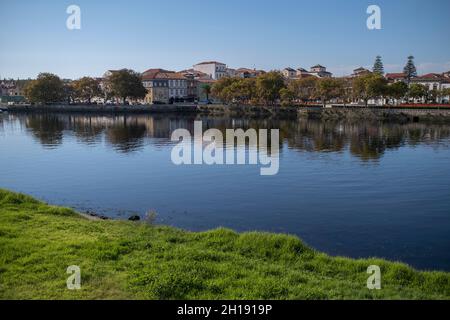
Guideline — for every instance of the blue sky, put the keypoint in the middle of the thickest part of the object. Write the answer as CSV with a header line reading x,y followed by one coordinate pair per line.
x,y
241,33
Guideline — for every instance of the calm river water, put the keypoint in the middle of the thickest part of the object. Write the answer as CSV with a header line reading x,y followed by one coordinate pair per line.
x,y
357,190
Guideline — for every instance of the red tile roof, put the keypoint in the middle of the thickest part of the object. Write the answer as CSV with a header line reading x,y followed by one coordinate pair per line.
x,y
395,75
430,76
152,74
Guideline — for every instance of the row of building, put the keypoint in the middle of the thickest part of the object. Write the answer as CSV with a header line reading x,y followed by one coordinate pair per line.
x,y
432,81
165,86
317,71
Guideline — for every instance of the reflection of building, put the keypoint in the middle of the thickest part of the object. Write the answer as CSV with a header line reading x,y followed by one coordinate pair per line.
x,y
216,70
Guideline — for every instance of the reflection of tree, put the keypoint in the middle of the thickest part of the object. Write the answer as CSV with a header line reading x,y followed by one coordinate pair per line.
x,y
317,136
47,128
365,140
87,129
127,136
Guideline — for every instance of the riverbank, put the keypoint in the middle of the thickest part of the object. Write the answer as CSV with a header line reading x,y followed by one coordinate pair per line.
x,y
129,260
401,114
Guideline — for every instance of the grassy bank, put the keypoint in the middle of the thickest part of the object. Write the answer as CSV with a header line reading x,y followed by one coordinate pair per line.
x,y
121,259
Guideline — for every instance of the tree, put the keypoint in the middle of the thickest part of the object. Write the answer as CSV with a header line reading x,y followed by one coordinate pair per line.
x,y
86,88
126,84
304,89
328,88
370,86
207,90
410,69
287,96
418,91
378,67
242,90
445,92
69,92
397,90
46,88
220,89
268,87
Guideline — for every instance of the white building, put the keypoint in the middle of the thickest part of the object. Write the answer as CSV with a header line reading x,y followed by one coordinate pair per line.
x,y
320,71
216,70
289,73
434,82
231,72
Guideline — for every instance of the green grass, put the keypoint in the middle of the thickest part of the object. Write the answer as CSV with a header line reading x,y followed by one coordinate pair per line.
x,y
125,260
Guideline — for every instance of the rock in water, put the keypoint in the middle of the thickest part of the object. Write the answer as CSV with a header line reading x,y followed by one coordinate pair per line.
x,y
134,218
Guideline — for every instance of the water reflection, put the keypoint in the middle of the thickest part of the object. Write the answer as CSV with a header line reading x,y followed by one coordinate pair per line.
x,y
394,206
129,133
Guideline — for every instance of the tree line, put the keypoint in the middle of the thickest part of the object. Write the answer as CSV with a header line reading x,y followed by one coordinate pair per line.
x,y
49,88
271,88
266,89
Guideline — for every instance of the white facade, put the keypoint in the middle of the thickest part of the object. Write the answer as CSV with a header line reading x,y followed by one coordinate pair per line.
x,y
320,72
231,72
289,73
434,82
216,70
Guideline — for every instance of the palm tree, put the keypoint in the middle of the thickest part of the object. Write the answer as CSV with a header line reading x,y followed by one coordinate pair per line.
x,y
207,90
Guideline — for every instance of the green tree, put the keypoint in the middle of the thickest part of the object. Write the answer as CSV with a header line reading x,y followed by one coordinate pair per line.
x,y
243,90
126,84
268,87
397,90
418,91
207,90
69,92
221,89
47,88
304,89
287,96
445,92
410,70
378,67
86,88
368,87
329,88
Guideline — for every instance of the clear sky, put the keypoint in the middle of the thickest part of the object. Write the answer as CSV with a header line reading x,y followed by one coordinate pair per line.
x,y
175,34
